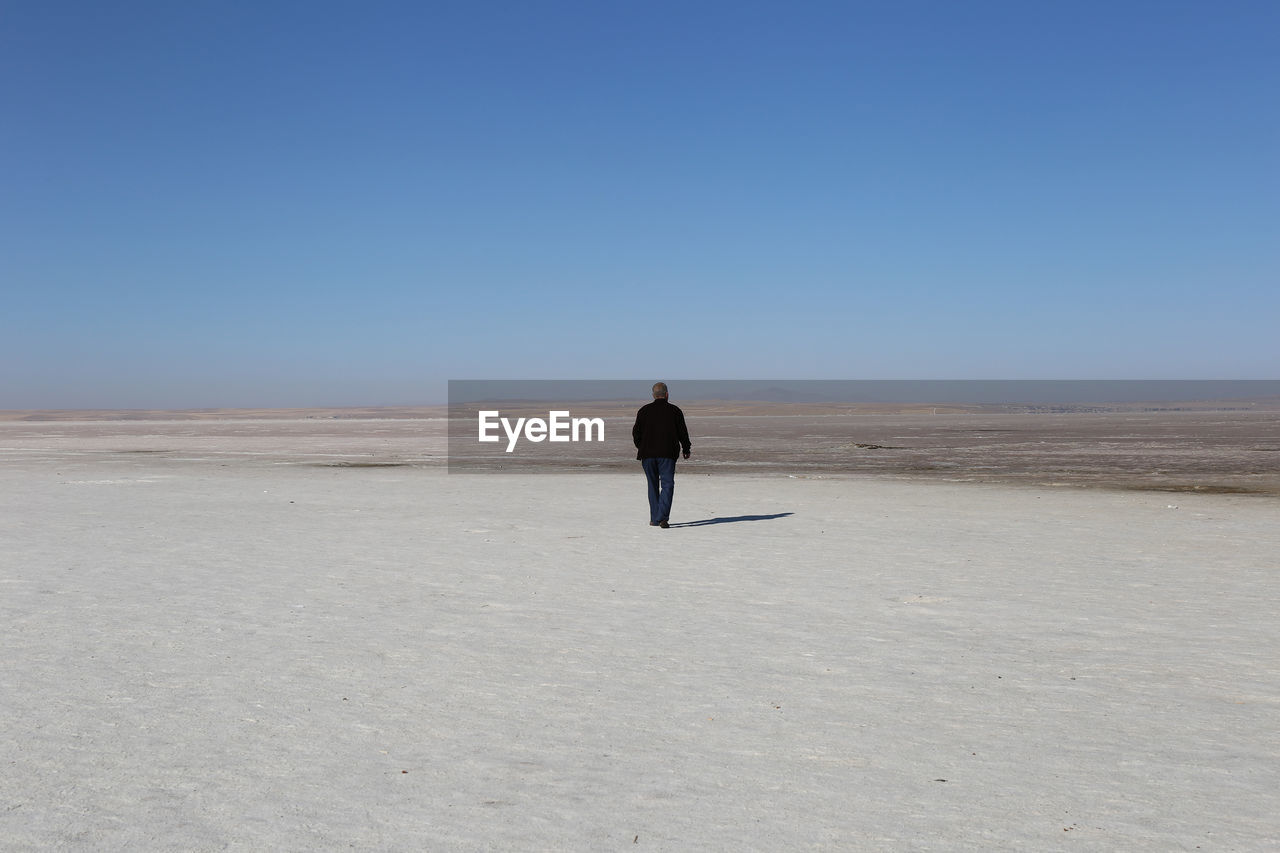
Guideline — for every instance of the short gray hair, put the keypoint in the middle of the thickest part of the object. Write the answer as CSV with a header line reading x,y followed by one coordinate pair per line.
x,y
659,390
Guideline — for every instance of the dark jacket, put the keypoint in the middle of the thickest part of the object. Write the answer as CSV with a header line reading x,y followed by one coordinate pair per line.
x,y
660,432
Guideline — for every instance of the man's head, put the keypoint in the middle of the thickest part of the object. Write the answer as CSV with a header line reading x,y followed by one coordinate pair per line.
x,y
659,390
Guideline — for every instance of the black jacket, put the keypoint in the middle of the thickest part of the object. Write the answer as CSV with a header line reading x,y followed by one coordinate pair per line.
x,y
660,432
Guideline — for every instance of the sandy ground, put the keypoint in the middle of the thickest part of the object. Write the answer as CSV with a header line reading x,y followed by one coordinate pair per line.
x,y
240,638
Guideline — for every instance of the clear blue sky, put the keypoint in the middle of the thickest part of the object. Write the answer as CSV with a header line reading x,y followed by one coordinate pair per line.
x,y
319,203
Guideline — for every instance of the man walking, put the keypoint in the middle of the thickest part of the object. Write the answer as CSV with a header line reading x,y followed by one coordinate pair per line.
x,y
660,435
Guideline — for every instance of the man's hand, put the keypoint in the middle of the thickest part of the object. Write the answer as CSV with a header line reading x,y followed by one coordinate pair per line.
x,y
686,455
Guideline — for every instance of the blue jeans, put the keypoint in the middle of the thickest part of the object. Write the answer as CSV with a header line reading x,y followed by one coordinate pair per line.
x,y
661,474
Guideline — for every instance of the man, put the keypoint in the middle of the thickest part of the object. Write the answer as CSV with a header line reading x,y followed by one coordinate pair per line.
x,y
660,435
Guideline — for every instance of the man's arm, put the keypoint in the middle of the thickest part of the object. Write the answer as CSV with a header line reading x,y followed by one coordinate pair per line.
x,y
682,432
636,431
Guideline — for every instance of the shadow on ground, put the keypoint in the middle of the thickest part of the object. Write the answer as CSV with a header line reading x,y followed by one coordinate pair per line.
x,y
731,519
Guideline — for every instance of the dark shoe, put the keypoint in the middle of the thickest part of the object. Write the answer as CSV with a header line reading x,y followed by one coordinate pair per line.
x,y
653,524
663,524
